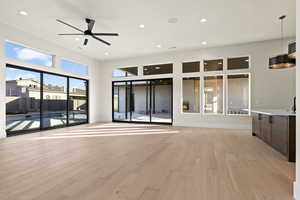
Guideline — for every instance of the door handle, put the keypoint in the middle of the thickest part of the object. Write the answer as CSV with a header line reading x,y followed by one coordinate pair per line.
x,y
270,119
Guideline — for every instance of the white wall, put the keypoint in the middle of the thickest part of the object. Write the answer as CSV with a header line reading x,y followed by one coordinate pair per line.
x,y
270,88
15,35
297,182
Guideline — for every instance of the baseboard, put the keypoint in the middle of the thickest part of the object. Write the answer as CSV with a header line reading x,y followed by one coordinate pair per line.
x,y
296,191
214,125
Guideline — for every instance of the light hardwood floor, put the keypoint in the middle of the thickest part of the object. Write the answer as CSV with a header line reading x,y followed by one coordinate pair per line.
x,y
141,162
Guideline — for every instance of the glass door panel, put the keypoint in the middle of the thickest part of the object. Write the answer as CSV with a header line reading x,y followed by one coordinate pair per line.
x,y
140,101
78,101
54,112
23,98
121,101
161,101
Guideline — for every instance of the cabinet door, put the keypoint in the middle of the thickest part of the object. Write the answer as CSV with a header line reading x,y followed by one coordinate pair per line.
x,y
266,128
280,134
256,125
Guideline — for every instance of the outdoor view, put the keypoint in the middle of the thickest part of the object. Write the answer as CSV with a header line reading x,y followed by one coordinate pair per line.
x,y
140,101
23,100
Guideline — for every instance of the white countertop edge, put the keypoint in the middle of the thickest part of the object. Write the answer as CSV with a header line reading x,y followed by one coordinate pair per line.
x,y
277,112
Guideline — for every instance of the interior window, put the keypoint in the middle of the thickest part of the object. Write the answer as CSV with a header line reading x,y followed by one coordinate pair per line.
x,y
191,94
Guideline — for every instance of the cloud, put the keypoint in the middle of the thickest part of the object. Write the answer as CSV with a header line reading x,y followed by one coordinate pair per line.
x,y
29,55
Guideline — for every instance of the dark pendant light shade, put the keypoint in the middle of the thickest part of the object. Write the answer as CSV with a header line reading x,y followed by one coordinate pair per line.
x,y
292,50
282,61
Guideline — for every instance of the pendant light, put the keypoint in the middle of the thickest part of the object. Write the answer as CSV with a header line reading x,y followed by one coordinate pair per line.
x,y
292,50
283,60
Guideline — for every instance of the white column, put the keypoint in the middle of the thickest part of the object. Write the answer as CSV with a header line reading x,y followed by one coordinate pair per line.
x,y
2,91
297,182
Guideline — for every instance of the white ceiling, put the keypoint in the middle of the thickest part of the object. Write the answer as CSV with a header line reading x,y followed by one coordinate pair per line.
x,y
229,22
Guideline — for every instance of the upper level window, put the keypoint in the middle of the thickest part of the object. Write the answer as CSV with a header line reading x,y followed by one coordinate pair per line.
x,y
22,53
73,67
238,63
125,72
189,67
158,69
213,65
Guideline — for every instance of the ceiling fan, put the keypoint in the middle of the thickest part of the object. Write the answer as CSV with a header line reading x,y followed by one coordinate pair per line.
x,y
88,32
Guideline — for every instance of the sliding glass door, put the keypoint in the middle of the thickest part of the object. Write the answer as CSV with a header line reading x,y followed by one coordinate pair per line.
x,y
23,99
148,101
161,101
37,100
55,101
121,98
140,101
78,101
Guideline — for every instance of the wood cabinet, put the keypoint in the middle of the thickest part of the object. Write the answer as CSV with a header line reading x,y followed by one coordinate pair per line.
x,y
277,131
256,125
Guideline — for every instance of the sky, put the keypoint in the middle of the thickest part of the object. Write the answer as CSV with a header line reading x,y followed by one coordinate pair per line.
x,y
22,53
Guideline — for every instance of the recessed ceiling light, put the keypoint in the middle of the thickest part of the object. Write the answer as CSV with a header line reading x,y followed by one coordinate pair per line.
x,y
203,20
157,67
247,60
106,53
204,43
158,46
22,12
142,25
173,20
77,39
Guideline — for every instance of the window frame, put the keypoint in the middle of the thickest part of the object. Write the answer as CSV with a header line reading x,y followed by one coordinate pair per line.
x,y
158,75
224,73
211,59
240,56
203,96
249,93
126,76
192,61
14,61
41,128
71,60
200,95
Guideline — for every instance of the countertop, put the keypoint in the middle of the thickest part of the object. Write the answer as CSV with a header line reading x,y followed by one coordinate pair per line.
x,y
279,112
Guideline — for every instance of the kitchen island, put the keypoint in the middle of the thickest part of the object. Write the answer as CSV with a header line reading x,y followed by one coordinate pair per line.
x,y
276,128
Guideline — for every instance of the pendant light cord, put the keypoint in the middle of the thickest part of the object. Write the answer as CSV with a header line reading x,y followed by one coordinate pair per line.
x,y
282,34
281,18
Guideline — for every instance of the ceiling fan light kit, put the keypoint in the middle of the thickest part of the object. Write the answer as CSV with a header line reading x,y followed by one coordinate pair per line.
x,y
285,60
88,32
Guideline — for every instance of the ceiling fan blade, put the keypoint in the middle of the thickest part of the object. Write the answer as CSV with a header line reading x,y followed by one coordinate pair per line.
x,y
69,25
85,41
106,34
101,40
90,23
70,34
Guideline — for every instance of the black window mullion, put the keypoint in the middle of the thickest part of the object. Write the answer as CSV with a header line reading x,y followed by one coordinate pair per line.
x,y
41,99
131,100
87,101
150,101
68,99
